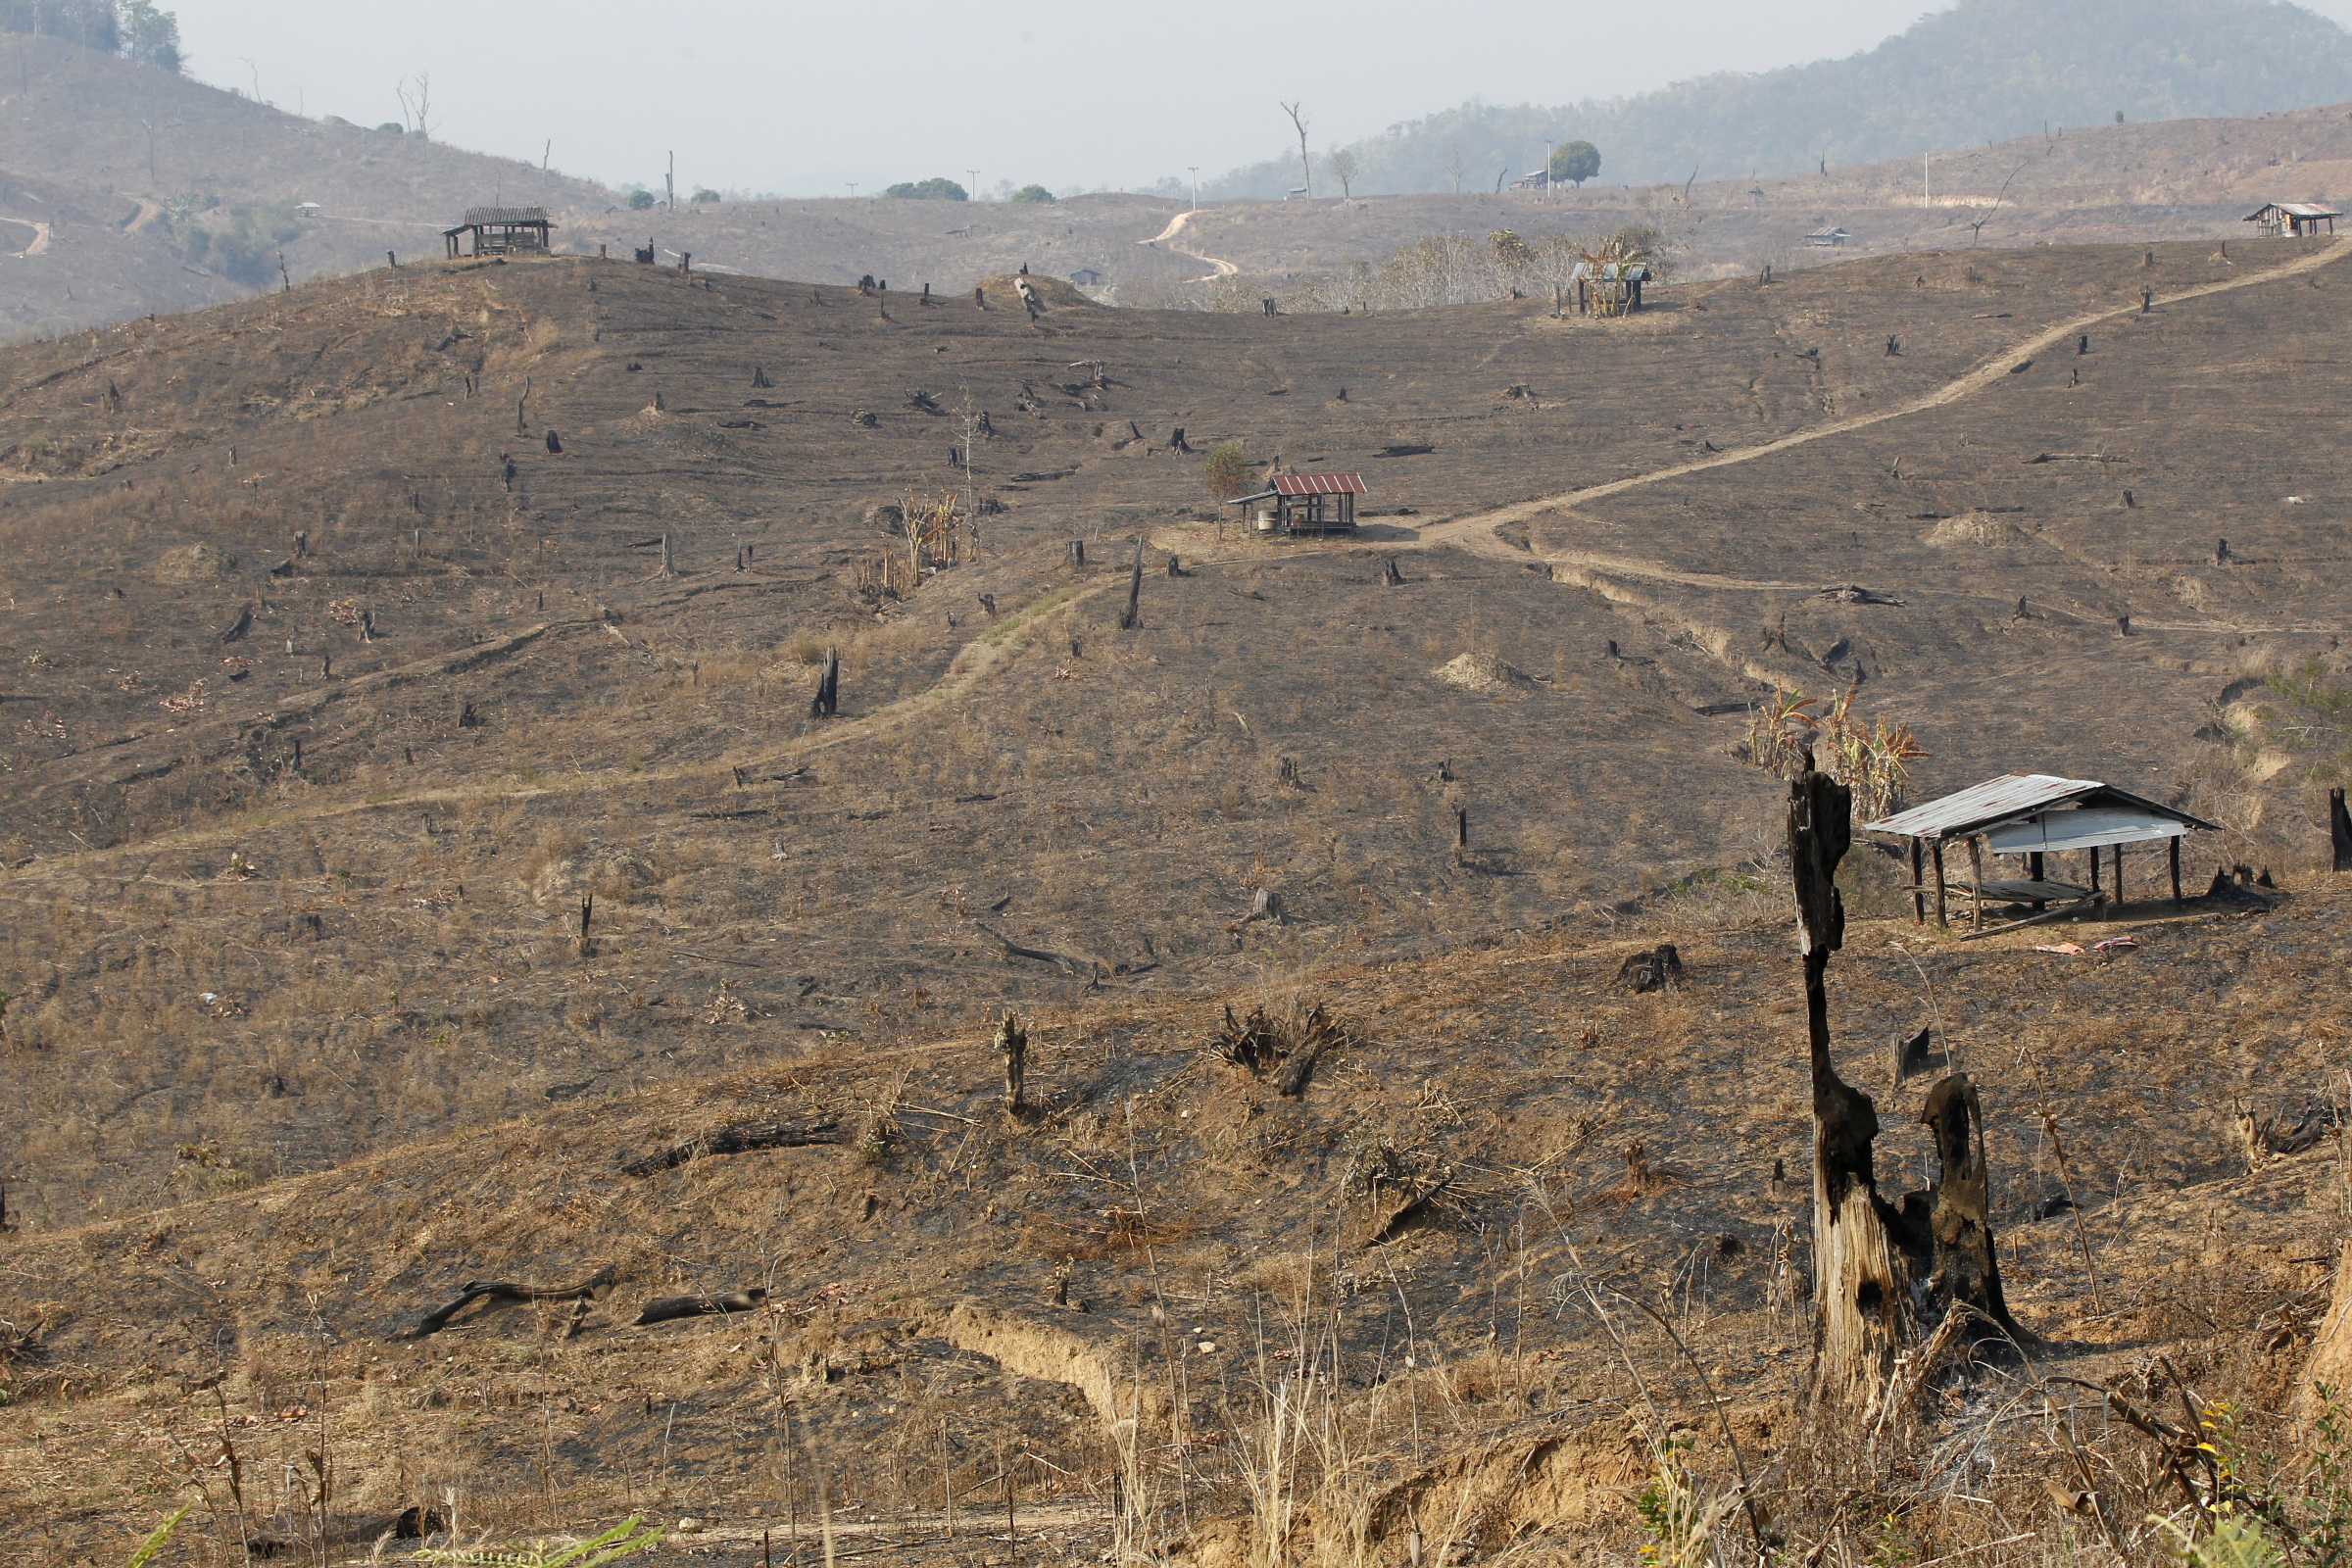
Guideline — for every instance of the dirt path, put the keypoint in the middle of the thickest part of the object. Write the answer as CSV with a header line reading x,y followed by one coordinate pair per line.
x,y
1224,269
1475,531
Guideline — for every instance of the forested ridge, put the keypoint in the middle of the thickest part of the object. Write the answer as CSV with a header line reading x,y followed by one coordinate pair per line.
x,y
1984,71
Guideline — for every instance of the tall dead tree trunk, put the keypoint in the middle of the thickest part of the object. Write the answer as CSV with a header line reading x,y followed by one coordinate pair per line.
x,y
1860,1296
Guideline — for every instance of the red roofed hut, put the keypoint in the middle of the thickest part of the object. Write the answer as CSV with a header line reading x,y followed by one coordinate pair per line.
x,y
1306,502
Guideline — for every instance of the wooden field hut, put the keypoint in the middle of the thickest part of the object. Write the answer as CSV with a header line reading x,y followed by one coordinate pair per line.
x,y
500,231
2034,816
2292,219
1610,288
1305,504
1828,237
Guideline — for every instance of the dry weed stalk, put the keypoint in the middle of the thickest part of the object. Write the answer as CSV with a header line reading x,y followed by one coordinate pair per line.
x,y
1783,738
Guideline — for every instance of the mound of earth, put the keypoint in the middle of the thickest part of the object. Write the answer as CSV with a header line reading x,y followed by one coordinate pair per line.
x,y
1484,674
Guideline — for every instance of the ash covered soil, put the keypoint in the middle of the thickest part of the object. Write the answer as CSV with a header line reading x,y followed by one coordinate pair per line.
x,y
302,1034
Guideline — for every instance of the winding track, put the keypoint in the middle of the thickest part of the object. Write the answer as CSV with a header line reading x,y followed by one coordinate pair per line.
x,y
1224,269
1475,531
1471,532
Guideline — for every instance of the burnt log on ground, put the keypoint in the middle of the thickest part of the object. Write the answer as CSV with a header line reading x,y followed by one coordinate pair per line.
x,y
742,1138
670,1307
472,1291
1861,1292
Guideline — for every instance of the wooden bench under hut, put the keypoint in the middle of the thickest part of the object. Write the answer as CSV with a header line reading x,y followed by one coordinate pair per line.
x,y
1305,504
500,231
2034,815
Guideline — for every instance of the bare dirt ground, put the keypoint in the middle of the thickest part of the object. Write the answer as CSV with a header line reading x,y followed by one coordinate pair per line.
x,y
301,1035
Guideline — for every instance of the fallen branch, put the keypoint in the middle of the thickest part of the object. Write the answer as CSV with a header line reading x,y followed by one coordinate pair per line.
x,y
1062,961
743,1138
668,1307
472,1291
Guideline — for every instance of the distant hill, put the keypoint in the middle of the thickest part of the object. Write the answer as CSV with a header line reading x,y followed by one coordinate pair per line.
x,y
1984,71
128,189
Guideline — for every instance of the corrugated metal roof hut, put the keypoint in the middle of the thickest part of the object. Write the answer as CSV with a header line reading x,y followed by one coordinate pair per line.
x,y
501,232
2034,814
1308,503
2275,219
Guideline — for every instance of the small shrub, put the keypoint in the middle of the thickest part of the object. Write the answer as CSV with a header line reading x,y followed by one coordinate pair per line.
x,y
640,200
1227,470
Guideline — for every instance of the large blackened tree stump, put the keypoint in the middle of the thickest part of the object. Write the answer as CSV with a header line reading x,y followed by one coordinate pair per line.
x,y
1861,1297
1967,1271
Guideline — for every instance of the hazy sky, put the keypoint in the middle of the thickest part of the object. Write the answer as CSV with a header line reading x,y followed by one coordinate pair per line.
x,y
801,99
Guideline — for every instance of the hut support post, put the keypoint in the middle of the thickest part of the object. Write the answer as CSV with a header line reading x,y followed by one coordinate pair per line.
x,y
1919,892
2094,869
2034,870
1976,881
2119,876
1937,849
2172,856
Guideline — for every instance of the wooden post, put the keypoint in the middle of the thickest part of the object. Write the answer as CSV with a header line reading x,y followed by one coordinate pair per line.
x,y
2119,876
2034,870
1860,1296
2094,869
1461,828
1975,881
2339,831
1129,617
1919,892
1938,850
2173,859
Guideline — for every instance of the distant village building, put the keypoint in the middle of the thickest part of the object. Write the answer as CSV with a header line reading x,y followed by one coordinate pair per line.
x,y
307,210
1533,179
1305,503
1828,236
501,232
2278,220
1087,277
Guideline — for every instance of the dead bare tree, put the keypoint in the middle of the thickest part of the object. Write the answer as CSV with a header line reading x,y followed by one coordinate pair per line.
x,y
1861,1297
1453,161
417,103
1307,166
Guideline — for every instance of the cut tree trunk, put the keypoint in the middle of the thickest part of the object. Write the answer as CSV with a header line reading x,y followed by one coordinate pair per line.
x,y
1967,1268
1861,1297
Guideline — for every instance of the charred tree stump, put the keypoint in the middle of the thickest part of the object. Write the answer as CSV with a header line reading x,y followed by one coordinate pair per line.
x,y
828,685
1390,576
1967,1269
1012,1042
2339,830
587,913
1131,616
1860,1296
